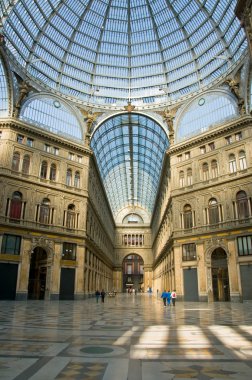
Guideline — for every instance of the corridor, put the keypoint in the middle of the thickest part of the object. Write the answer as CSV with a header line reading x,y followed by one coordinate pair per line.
x,y
129,337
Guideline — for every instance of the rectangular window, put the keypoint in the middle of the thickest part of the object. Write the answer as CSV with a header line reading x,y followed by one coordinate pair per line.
x,y
79,159
244,244
211,146
69,251
179,157
29,142
70,156
187,155
55,151
238,136
228,140
20,139
11,244
203,149
189,252
232,166
47,148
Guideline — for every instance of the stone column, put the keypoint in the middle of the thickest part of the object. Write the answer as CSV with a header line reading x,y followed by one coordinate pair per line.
x,y
117,279
178,273
24,269
79,279
235,295
53,283
148,277
202,279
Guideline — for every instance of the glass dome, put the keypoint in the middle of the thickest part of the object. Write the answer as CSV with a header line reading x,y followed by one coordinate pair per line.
x,y
109,52
129,149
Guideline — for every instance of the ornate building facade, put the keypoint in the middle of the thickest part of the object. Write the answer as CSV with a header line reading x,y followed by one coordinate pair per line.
x,y
151,194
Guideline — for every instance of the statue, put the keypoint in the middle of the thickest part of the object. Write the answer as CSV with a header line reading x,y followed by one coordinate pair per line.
x,y
24,89
89,117
168,117
234,87
129,107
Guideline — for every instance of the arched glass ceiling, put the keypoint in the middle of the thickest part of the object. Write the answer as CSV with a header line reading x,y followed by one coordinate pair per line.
x,y
129,149
107,52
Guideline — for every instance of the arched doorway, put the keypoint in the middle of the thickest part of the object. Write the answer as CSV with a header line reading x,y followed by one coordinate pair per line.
x,y
220,279
37,274
133,272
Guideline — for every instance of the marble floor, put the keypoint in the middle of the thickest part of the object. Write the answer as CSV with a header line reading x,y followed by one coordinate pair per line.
x,y
129,337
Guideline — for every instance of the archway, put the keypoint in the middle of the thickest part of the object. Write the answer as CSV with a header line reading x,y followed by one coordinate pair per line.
x,y
37,274
133,273
220,278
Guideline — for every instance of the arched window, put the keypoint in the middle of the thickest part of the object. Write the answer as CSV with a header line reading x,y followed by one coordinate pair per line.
x,y
204,112
242,160
242,205
43,170
232,163
181,179
213,211
188,220
16,205
53,172
26,164
189,176
15,161
70,217
4,96
205,171
77,179
132,218
69,177
52,114
44,214
214,169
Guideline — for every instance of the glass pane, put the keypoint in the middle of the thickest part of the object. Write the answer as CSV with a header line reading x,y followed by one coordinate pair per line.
x,y
128,49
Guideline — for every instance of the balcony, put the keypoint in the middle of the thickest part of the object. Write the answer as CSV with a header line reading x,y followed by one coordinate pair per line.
x,y
213,228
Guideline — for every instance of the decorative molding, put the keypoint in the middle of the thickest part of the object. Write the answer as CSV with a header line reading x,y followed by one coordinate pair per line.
x,y
42,242
213,244
235,124
30,129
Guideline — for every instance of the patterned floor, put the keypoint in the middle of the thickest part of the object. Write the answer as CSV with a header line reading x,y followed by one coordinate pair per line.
x,y
129,337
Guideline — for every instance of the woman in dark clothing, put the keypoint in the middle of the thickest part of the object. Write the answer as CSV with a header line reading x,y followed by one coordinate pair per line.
x,y
103,295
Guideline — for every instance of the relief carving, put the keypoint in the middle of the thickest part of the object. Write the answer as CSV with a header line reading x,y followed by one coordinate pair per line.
x,y
46,244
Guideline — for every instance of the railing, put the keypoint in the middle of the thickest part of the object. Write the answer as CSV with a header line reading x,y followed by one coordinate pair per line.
x,y
29,224
222,226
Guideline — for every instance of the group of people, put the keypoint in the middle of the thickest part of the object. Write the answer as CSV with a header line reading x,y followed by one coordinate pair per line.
x,y
168,297
99,295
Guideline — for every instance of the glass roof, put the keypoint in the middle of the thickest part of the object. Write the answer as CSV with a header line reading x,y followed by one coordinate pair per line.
x,y
51,114
129,150
107,52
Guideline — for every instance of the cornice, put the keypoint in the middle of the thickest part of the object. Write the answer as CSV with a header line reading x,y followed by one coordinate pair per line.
x,y
41,133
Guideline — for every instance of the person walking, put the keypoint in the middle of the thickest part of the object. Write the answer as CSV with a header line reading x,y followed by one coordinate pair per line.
x,y
173,297
97,295
103,295
163,296
168,298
